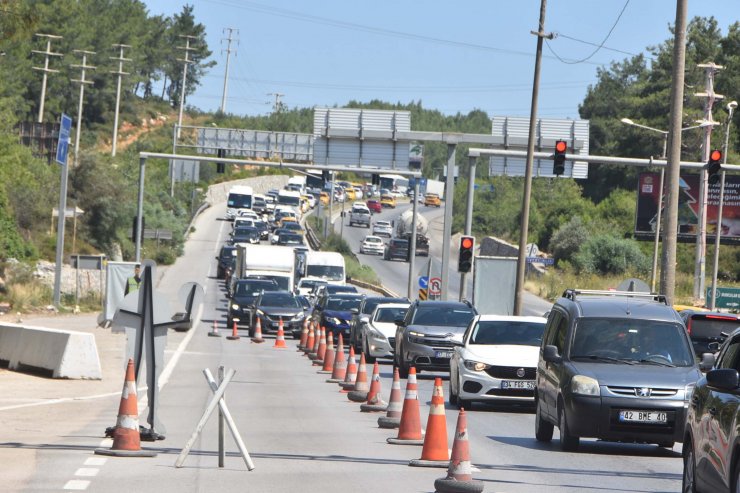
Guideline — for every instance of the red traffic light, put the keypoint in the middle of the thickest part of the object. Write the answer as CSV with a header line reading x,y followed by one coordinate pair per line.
x,y
466,243
561,146
715,155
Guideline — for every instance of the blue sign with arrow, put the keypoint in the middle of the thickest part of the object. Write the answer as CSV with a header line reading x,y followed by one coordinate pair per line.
x,y
63,143
423,282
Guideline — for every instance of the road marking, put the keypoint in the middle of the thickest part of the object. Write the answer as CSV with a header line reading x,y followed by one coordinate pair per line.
x,y
87,471
97,461
76,484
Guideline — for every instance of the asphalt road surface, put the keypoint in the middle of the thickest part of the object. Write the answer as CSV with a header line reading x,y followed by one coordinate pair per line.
x,y
302,434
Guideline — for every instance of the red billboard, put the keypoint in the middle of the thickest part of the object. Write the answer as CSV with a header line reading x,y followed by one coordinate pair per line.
x,y
688,207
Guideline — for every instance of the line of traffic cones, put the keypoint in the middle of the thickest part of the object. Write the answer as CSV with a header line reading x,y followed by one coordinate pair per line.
x,y
375,402
392,417
328,360
409,427
340,364
350,376
234,334
304,336
435,452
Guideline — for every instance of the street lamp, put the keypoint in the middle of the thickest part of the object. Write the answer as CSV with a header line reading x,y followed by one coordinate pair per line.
x,y
731,106
656,239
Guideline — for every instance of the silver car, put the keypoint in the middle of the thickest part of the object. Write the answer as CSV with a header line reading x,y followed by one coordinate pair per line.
x,y
378,335
382,228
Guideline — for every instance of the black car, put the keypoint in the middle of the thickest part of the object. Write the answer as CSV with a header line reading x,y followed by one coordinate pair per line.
x,y
711,445
397,248
273,306
361,317
263,228
290,239
224,258
706,328
616,366
248,234
244,294
334,312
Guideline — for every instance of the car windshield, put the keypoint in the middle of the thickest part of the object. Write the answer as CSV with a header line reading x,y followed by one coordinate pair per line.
x,y
329,272
373,239
630,339
293,226
517,333
283,282
310,283
260,224
389,315
253,288
281,300
334,288
343,304
371,303
290,239
304,302
443,316
383,224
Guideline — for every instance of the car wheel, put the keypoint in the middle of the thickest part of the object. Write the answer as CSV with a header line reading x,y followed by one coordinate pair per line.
x,y
368,359
542,428
453,394
568,442
688,482
403,369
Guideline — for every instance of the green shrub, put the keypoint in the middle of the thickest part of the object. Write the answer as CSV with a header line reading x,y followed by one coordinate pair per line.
x,y
567,240
605,254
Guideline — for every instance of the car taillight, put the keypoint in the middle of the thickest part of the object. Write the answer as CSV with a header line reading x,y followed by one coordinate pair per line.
x,y
688,326
720,317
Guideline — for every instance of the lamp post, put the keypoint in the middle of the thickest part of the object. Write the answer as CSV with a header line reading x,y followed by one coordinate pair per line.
x,y
718,231
656,239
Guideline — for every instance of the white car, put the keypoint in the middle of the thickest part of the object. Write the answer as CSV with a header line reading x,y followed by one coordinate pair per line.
x,y
382,228
497,360
378,335
248,214
358,192
372,245
243,221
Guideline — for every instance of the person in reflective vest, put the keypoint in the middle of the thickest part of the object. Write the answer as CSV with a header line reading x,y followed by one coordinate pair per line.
x,y
133,282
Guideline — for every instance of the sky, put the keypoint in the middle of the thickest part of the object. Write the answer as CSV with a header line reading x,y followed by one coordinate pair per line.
x,y
452,56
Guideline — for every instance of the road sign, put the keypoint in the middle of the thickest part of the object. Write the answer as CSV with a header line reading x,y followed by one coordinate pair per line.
x,y
435,286
422,294
63,143
726,297
540,260
423,282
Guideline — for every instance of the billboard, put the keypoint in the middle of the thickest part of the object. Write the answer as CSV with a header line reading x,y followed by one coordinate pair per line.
x,y
688,207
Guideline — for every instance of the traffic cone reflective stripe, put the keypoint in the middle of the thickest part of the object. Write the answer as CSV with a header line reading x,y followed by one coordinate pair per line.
x,y
126,438
340,364
359,393
304,335
258,332
310,340
351,375
234,334
322,346
392,417
328,356
460,471
409,429
375,402
314,354
435,452
280,341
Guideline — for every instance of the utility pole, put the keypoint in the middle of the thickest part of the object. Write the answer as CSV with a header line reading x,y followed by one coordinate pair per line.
x,y
522,257
701,234
226,72
670,227
45,69
82,81
276,107
186,61
119,73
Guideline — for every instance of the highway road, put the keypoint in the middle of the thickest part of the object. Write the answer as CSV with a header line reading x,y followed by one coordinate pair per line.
x,y
303,435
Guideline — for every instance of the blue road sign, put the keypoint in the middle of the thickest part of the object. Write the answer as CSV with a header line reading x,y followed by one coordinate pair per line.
x,y
423,282
63,143
540,260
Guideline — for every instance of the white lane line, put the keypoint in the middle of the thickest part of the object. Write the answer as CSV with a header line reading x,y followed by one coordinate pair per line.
x,y
76,484
87,471
97,461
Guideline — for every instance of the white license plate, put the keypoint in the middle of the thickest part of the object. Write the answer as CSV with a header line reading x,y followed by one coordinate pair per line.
x,y
643,416
443,354
518,384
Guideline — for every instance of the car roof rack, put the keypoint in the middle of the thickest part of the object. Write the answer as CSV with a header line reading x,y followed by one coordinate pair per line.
x,y
572,294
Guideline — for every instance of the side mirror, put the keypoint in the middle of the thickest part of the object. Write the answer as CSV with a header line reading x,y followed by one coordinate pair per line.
x,y
365,319
551,355
400,322
355,311
713,347
707,362
723,378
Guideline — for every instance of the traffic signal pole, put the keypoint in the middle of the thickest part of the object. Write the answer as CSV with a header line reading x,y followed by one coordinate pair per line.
x,y
468,220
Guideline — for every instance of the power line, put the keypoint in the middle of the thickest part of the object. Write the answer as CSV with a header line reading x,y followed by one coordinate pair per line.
x,y
598,48
561,35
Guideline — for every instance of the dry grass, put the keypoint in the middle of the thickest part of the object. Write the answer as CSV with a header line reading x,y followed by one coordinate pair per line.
x,y
27,297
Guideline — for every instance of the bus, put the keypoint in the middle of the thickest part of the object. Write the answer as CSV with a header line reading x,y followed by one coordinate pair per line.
x,y
394,183
289,197
240,198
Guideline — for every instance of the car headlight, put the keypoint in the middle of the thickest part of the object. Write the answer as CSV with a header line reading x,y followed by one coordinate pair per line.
x,y
260,313
416,334
234,306
334,320
475,365
688,393
376,335
583,385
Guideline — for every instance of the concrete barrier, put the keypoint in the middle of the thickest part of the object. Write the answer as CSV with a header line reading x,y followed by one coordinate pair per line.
x,y
56,353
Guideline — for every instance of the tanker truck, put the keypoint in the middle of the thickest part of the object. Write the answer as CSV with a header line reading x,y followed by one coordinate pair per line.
x,y
404,225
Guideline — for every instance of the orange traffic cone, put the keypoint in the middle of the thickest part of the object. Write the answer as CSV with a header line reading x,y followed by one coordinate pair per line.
x,y
328,357
214,331
280,341
409,429
126,439
392,417
258,332
234,334
350,376
359,393
459,473
314,354
309,342
375,402
435,452
304,335
340,364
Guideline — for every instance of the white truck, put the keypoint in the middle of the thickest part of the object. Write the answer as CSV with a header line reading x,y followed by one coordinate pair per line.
x,y
328,266
404,225
239,199
434,186
275,262
360,215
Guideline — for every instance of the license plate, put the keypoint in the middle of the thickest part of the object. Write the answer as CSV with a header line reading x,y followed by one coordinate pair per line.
x,y
443,354
518,384
643,416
